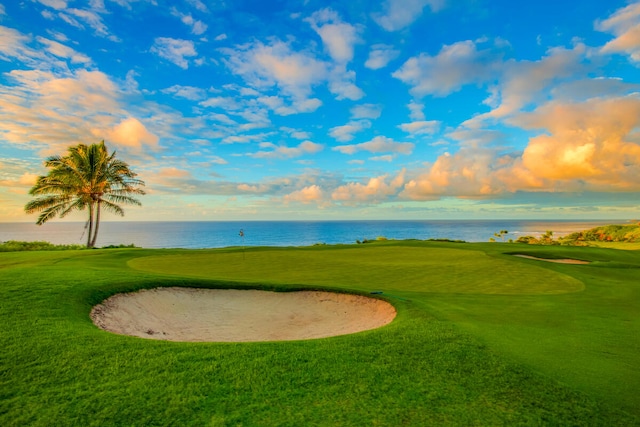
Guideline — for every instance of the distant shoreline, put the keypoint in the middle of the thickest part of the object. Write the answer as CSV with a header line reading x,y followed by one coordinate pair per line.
x,y
216,234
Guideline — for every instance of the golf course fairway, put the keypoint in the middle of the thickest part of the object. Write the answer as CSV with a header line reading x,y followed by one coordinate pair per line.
x,y
481,337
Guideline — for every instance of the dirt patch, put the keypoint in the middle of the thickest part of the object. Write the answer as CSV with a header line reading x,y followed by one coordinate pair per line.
x,y
227,315
559,261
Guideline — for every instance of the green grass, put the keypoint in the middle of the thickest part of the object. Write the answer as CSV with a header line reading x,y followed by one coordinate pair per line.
x,y
481,338
627,246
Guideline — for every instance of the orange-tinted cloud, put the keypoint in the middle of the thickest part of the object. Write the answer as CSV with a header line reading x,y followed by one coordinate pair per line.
x,y
467,173
589,146
131,133
591,142
310,194
375,190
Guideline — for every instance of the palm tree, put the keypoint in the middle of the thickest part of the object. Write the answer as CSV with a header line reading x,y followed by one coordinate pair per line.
x,y
88,177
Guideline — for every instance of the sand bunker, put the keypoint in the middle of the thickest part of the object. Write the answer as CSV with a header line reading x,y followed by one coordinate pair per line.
x,y
559,261
226,315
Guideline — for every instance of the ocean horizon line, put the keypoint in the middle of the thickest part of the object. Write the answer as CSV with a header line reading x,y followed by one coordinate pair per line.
x,y
221,233
338,220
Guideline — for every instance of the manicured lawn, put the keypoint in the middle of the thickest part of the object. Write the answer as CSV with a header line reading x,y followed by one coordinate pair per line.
x,y
481,338
618,245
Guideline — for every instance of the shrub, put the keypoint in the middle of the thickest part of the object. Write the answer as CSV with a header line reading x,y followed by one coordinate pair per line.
x,y
607,233
15,246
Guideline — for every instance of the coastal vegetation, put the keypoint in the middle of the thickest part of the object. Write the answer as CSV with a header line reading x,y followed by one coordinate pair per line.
x,y
19,246
481,338
614,233
628,233
88,177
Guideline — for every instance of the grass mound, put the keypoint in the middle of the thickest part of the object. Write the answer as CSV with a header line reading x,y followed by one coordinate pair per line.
x,y
450,270
481,355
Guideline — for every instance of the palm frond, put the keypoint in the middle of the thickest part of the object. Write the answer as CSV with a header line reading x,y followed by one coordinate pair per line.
x,y
112,207
49,213
118,198
46,202
77,204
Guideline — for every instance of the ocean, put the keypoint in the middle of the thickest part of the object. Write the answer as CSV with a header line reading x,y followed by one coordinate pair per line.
x,y
217,234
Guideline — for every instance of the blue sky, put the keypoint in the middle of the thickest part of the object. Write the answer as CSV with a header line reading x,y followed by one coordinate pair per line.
x,y
391,109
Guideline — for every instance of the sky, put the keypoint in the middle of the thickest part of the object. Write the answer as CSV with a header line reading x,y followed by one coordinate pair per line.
x,y
306,110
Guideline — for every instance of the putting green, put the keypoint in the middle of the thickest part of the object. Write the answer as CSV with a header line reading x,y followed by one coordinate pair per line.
x,y
415,269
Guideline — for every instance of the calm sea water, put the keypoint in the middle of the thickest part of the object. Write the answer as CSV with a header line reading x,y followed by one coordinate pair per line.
x,y
218,234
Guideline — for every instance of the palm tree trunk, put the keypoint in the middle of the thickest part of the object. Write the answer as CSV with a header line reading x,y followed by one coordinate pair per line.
x,y
90,225
95,231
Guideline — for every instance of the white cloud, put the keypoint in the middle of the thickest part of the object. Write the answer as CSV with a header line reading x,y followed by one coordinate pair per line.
x,y
453,67
46,55
584,89
264,66
244,139
187,92
80,17
476,137
380,56
220,37
295,133
199,5
385,158
337,36
276,64
379,144
366,111
174,50
278,105
197,27
283,151
416,112
421,127
224,102
13,44
399,14
523,82
625,25
346,132
55,4
63,51
342,84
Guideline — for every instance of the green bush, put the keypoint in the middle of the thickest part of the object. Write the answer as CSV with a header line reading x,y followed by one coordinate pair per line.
x,y
18,246
15,246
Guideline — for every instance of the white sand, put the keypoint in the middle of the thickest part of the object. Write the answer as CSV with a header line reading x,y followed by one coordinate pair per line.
x,y
559,261
226,315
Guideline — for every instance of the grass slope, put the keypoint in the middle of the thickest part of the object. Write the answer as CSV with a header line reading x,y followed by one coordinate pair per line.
x,y
481,338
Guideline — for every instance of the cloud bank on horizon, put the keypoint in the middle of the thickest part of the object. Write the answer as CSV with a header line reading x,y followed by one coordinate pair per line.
x,y
394,109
